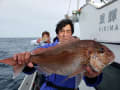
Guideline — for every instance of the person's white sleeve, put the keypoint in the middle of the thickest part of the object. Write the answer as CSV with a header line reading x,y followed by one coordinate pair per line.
x,y
34,42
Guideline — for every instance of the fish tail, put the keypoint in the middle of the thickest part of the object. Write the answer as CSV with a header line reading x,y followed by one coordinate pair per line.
x,y
17,68
9,61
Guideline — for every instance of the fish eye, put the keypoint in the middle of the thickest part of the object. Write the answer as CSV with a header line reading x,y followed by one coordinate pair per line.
x,y
101,50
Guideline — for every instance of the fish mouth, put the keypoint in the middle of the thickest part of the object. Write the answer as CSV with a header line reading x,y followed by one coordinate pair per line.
x,y
96,65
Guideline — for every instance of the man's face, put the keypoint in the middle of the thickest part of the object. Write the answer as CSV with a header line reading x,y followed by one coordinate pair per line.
x,y
45,37
65,32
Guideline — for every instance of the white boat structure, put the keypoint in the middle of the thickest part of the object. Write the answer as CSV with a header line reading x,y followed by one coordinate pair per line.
x,y
100,22
28,82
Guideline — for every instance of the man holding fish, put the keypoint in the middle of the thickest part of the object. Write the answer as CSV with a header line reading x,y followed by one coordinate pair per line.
x,y
67,59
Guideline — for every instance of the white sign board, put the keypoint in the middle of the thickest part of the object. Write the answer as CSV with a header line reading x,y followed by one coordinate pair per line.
x,y
101,24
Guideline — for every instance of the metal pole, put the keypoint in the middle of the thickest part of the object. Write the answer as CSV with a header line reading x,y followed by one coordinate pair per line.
x,y
78,2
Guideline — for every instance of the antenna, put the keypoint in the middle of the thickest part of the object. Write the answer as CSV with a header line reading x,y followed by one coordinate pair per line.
x,y
67,14
78,1
69,7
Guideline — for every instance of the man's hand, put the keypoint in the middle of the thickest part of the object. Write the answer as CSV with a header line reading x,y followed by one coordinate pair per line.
x,y
40,39
23,58
90,73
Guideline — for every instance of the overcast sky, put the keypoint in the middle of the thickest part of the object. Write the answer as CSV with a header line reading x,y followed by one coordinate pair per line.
x,y
29,18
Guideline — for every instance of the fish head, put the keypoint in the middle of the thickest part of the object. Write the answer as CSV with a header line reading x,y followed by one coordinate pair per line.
x,y
100,57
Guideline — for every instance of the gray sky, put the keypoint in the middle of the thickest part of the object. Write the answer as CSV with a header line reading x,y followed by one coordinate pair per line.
x,y
28,18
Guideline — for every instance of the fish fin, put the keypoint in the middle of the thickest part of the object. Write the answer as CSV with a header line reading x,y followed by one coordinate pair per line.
x,y
78,71
17,69
8,61
43,70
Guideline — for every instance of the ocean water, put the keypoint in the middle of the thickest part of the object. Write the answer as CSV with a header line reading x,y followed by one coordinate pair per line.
x,y
8,47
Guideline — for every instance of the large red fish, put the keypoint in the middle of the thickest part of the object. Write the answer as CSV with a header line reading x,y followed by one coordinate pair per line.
x,y
69,58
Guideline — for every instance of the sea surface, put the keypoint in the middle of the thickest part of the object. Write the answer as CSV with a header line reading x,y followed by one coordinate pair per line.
x,y
8,47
